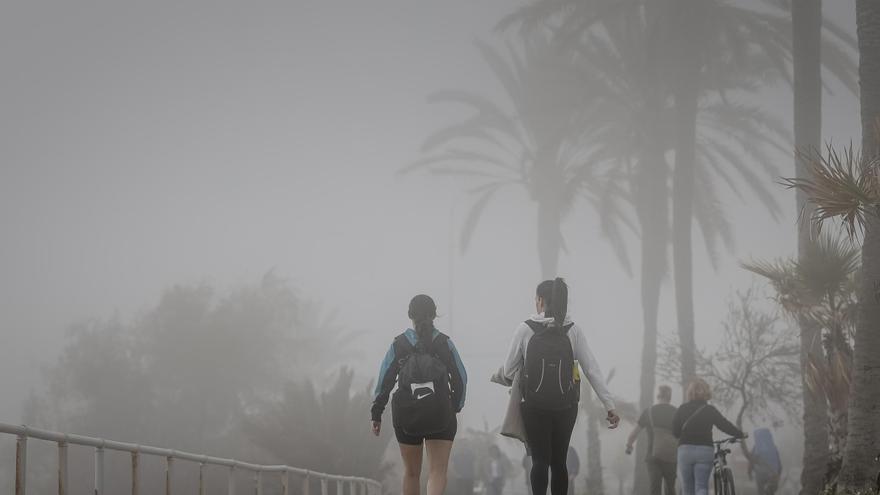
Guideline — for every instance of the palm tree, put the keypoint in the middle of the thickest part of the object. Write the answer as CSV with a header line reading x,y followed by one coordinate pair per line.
x,y
622,41
818,290
806,20
847,186
707,37
704,34
544,140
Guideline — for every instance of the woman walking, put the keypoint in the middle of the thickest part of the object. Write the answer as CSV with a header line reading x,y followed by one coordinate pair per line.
x,y
546,349
431,385
692,425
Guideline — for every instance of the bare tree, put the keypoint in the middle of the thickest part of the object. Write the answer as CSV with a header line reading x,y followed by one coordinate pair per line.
x,y
755,369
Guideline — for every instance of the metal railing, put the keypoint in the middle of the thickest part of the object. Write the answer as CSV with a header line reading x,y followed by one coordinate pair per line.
x,y
355,485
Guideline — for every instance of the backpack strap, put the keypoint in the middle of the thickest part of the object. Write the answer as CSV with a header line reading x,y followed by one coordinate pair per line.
x,y
403,347
684,425
540,327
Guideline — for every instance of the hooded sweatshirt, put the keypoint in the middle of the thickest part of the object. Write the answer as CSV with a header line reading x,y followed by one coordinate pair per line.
x,y
766,454
517,354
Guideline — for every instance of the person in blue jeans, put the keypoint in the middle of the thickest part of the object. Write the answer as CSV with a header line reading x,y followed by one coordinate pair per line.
x,y
692,425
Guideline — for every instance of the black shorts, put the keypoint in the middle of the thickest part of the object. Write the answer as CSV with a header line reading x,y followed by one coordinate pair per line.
x,y
447,434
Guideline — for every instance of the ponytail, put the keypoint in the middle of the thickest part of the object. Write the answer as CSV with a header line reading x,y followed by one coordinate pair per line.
x,y
422,312
425,331
555,296
559,301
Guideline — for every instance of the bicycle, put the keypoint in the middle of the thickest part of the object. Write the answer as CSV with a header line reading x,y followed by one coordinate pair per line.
x,y
721,473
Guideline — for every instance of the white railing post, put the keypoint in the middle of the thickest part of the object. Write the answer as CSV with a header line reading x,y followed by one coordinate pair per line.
x,y
285,482
324,486
307,485
339,487
169,473
21,464
135,473
62,468
231,486
99,470
258,483
201,478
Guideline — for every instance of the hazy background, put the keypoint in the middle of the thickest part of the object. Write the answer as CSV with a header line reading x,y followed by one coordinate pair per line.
x,y
151,144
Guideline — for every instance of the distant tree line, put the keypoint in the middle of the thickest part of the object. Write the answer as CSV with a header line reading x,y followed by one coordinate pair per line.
x,y
241,375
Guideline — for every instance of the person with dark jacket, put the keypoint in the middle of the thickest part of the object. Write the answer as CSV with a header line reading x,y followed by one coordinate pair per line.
x,y
427,343
692,425
657,421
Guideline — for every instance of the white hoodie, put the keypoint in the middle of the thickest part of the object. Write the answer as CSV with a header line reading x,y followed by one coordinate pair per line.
x,y
517,354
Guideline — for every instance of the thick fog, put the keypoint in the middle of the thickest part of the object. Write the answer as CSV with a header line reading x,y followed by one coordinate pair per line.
x,y
158,144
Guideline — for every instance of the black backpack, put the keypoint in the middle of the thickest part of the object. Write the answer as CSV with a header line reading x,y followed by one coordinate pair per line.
x,y
422,404
549,379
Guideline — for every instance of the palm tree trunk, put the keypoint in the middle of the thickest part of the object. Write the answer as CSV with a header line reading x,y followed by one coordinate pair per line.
x,y
864,410
651,195
549,237
687,94
806,16
652,208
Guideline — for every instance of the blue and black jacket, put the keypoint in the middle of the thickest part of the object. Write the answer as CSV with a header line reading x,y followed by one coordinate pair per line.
x,y
397,354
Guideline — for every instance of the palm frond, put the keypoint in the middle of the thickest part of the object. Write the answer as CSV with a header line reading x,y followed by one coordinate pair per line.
x,y
828,263
473,216
757,184
840,185
459,156
532,16
709,215
840,62
503,71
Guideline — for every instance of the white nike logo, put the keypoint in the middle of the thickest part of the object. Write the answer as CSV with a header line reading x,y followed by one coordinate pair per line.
x,y
420,396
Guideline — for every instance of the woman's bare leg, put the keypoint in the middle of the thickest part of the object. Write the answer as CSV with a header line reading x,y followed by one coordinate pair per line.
x,y
438,460
412,468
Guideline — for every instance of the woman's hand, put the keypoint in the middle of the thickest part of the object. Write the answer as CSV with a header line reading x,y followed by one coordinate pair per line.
x,y
377,427
613,419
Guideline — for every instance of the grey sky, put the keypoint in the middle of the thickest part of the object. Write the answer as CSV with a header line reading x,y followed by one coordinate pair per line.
x,y
150,144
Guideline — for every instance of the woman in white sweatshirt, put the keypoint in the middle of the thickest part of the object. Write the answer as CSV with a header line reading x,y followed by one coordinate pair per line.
x,y
547,348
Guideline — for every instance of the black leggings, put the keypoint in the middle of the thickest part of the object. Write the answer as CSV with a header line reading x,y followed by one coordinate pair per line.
x,y
548,434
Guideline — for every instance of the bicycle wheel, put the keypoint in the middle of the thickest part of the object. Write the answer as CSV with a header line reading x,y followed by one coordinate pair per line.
x,y
728,482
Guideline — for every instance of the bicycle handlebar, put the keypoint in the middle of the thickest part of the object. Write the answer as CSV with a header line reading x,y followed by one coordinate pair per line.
x,y
729,440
